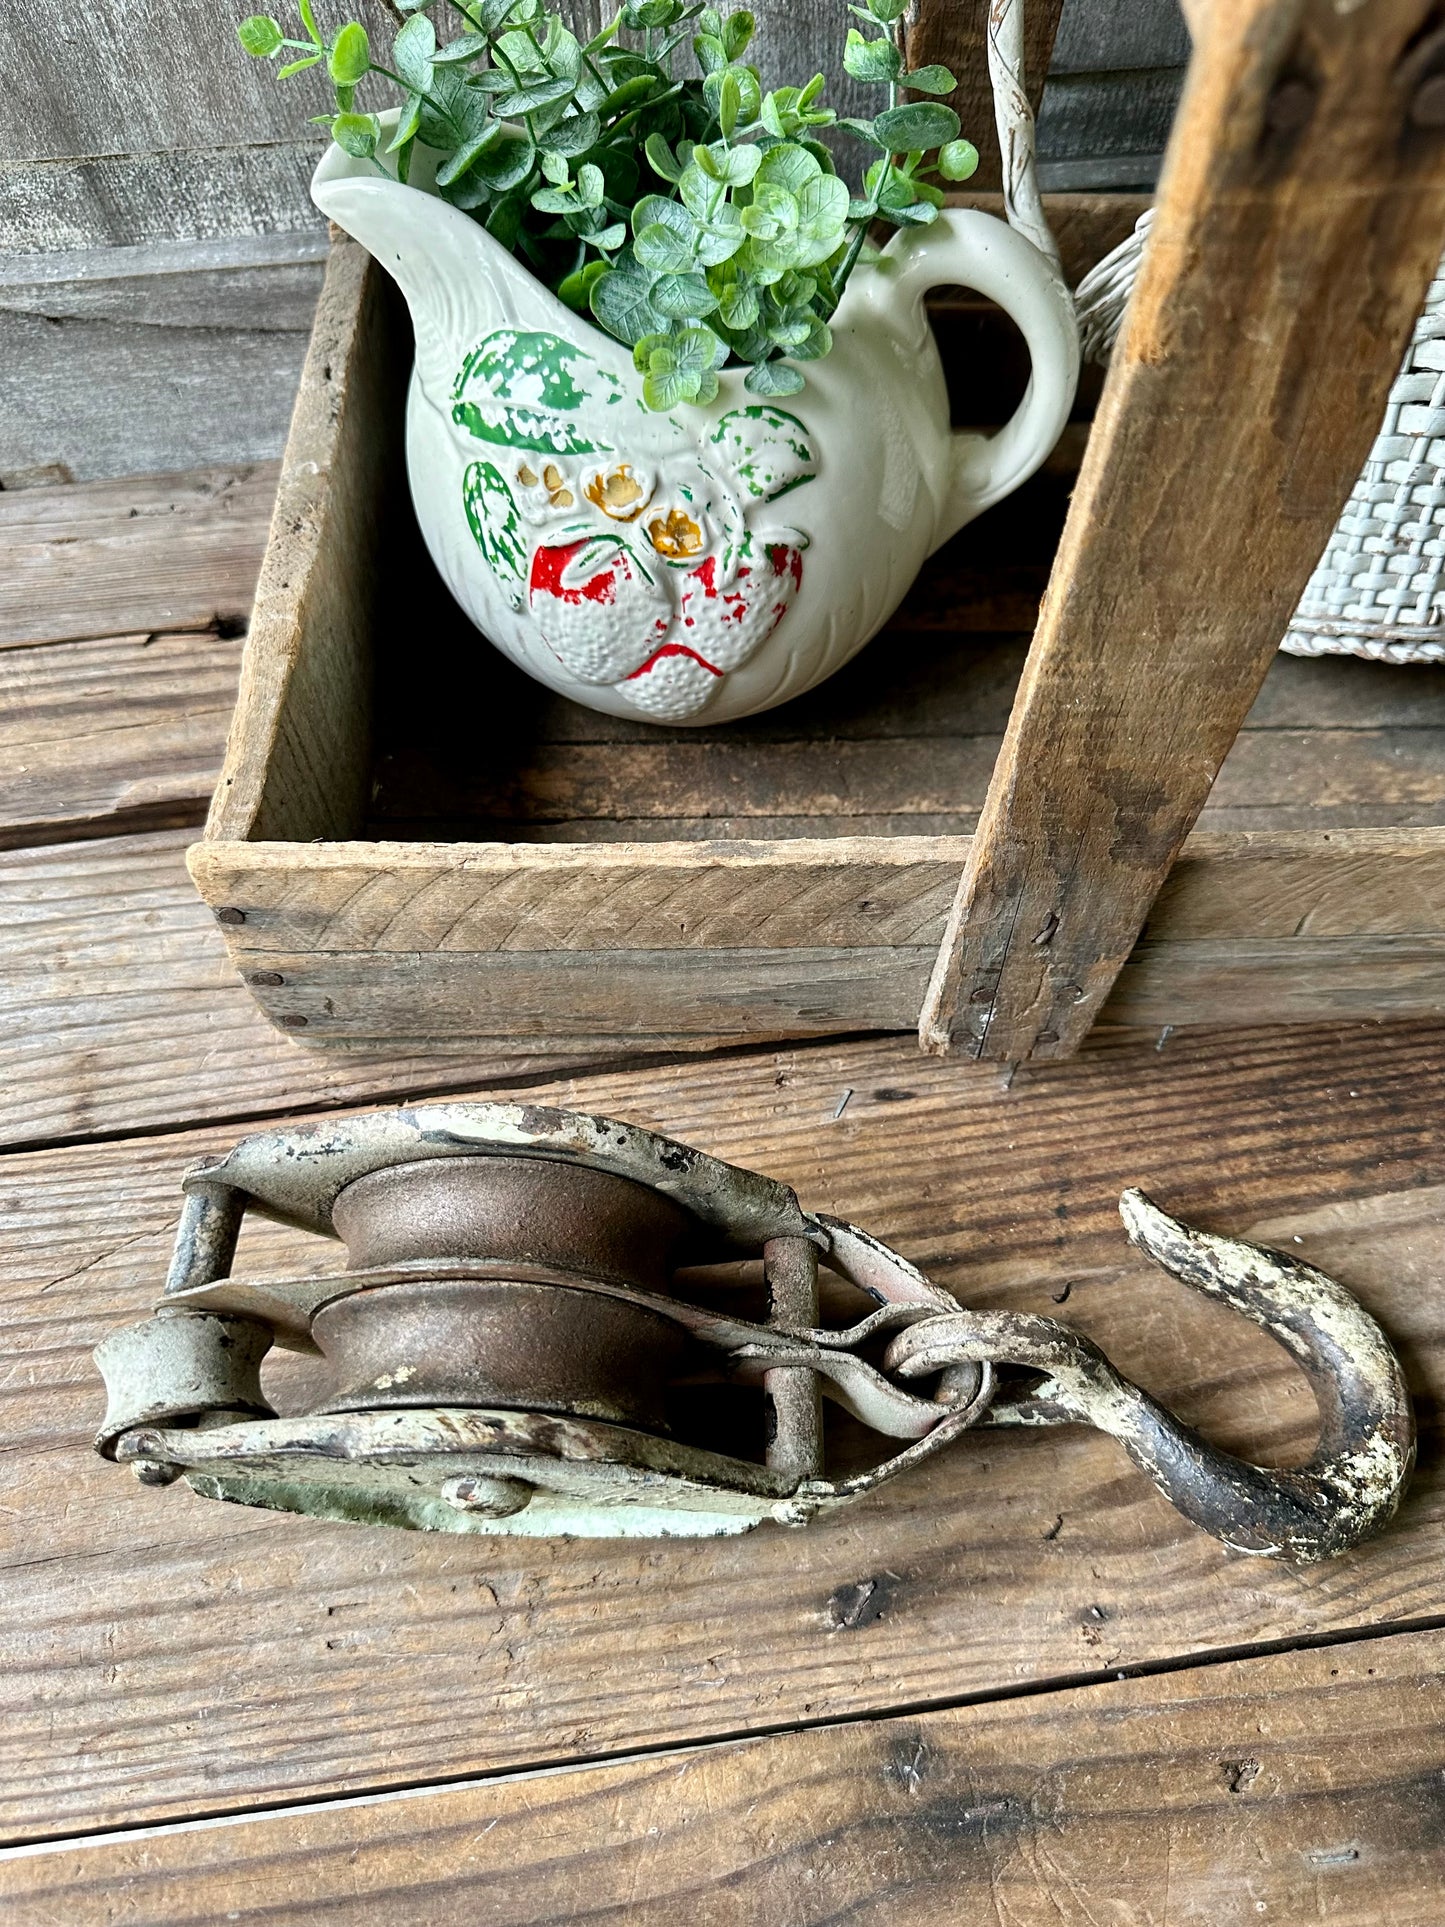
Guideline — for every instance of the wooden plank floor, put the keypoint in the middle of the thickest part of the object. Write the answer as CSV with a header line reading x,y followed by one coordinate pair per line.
x,y
1014,1688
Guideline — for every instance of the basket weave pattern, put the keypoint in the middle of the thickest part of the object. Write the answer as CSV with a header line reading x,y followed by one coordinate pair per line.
x,y
1377,589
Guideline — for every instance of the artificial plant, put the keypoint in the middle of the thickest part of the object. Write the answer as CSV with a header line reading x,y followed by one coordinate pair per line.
x,y
701,220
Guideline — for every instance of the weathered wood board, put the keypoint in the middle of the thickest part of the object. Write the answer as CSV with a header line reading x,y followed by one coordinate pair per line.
x,y
117,734
123,360
1195,526
147,554
1297,1787
168,1656
120,1010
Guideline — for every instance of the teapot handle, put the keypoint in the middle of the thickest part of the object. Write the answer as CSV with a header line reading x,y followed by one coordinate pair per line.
x,y
965,247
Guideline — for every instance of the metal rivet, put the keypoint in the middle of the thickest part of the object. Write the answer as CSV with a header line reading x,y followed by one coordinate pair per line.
x,y
228,915
155,1471
491,1498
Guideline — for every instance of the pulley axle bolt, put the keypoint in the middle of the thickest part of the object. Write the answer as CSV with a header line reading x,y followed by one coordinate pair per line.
x,y
491,1498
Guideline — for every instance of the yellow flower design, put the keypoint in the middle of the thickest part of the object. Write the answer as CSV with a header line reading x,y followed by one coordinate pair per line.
x,y
618,493
675,536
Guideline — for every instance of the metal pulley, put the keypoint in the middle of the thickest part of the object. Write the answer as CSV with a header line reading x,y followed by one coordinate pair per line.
x,y
535,1300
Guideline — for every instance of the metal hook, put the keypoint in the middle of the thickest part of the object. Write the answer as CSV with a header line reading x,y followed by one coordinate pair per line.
x,y
1352,1482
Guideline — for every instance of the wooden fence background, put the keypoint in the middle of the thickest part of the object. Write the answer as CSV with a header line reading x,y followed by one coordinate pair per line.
x,y
159,257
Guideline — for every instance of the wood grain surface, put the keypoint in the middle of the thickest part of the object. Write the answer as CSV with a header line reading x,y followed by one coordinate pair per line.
x,y
168,1656
1299,1787
297,755
120,1010
142,555
1195,526
117,734
122,360
955,37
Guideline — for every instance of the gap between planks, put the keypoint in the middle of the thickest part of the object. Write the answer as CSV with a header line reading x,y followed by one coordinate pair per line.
x,y
1144,1791
481,1657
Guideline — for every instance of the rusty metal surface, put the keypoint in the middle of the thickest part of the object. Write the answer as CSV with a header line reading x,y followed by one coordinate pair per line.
x,y
1352,1483
513,1318
527,1211
296,1175
541,1348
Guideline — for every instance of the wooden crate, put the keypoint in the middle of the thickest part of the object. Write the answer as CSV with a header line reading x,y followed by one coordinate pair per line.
x,y
542,910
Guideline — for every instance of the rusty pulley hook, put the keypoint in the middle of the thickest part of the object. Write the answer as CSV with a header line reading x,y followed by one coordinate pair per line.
x,y
531,1293
1352,1482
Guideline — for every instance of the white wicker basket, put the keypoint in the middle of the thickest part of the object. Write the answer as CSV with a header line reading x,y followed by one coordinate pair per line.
x,y
1379,588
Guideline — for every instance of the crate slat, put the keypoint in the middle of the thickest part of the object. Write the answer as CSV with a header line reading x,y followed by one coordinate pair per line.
x,y
1285,272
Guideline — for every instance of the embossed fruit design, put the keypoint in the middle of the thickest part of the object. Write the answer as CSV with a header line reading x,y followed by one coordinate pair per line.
x,y
656,577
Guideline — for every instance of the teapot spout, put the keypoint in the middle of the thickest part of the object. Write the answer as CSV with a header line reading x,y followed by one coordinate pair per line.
x,y
459,284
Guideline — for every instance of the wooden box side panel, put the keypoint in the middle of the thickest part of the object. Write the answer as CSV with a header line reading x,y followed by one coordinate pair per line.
x,y
297,757
591,947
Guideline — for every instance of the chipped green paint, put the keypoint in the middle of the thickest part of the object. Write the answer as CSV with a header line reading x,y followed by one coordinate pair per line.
x,y
767,449
497,527
526,390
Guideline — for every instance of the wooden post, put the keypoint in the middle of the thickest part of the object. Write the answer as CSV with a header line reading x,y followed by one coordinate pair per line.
x,y
1301,215
952,33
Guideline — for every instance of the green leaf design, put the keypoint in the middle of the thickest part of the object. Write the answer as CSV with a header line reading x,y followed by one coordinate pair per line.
x,y
768,450
496,527
524,390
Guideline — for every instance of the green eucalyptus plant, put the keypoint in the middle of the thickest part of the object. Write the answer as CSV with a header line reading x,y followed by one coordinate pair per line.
x,y
700,220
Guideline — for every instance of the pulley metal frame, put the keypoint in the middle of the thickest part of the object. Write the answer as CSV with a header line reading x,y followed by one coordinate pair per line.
x,y
543,1292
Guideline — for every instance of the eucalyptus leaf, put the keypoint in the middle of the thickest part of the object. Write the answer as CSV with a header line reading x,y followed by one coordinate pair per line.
x,y
407,125
930,80
412,53
457,51
504,159
957,160
683,297
661,159
737,31
260,35
461,159
916,127
773,378
350,56
356,134
621,301
871,60
560,152
577,134
663,249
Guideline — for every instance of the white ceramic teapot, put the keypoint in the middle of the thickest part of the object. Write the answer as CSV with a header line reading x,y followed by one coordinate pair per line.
x,y
705,564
